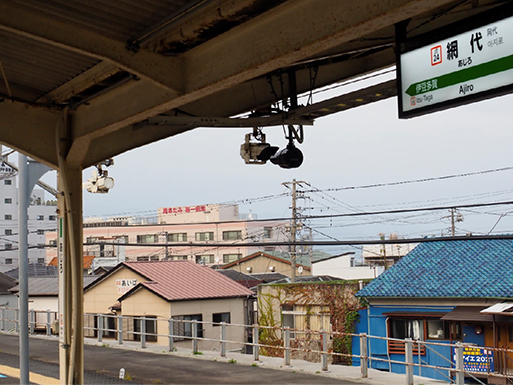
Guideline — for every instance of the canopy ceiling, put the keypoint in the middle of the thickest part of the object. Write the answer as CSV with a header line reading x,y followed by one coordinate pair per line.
x,y
115,65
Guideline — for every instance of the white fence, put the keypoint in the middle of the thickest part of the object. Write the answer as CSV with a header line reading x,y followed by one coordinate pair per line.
x,y
191,333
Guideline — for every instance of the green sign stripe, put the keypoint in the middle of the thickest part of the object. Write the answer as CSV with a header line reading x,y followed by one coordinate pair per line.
x,y
461,76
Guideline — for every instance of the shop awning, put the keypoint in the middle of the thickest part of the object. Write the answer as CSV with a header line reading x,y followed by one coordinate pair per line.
x,y
469,314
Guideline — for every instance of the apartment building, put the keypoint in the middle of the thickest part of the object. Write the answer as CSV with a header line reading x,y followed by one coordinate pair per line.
x,y
42,218
175,231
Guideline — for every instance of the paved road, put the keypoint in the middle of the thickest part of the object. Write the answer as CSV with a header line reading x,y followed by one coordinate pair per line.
x,y
102,365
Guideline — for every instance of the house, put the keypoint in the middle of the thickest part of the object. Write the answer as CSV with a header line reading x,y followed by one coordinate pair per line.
x,y
43,298
244,279
443,291
345,266
261,262
8,302
309,305
162,290
6,297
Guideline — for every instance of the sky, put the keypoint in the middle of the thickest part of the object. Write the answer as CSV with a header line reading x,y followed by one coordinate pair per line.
x,y
363,146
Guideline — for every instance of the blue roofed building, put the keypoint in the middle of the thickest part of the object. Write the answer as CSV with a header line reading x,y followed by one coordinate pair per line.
x,y
445,292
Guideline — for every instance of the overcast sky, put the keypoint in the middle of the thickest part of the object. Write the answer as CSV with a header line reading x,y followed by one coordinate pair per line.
x,y
363,146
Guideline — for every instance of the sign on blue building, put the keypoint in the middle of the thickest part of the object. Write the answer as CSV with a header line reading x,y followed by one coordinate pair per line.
x,y
476,359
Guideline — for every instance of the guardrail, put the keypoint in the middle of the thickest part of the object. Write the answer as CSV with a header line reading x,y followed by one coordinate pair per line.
x,y
183,332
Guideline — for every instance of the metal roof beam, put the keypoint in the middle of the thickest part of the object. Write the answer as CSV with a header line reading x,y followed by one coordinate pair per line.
x,y
164,72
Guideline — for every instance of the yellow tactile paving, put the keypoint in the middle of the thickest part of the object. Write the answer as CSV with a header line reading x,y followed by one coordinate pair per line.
x,y
34,377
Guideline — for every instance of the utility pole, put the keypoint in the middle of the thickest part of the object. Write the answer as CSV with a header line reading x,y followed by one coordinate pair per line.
x,y
293,227
455,217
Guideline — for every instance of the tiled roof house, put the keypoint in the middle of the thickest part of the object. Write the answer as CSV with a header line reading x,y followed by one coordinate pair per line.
x,y
159,290
440,291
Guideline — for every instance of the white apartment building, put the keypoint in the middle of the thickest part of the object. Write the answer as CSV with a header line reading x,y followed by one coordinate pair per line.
x,y
42,218
174,232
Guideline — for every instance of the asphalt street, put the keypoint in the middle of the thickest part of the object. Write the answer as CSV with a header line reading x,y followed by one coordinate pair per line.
x,y
102,366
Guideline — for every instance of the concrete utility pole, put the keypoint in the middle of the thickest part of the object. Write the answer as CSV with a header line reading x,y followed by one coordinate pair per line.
x,y
293,227
28,174
455,216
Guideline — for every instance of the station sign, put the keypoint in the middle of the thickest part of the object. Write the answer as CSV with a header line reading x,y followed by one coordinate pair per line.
x,y
472,64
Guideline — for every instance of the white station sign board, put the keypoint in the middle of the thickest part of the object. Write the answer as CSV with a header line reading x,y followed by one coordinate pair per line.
x,y
458,68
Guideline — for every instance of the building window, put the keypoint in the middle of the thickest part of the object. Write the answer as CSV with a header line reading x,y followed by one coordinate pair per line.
x,y
147,238
208,236
154,258
8,232
217,318
143,258
150,324
8,182
52,217
417,329
8,200
8,217
8,246
92,239
183,328
227,258
40,218
41,261
40,232
306,317
177,237
232,235
8,261
121,238
178,257
268,232
205,259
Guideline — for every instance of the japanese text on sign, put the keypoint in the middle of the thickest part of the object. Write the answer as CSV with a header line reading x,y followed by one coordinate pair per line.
x,y
466,65
124,285
477,359
186,209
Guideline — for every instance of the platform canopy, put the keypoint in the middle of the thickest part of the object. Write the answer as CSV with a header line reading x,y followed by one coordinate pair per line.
x,y
119,66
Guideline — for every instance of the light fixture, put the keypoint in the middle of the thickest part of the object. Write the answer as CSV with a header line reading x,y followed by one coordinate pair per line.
x,y
100,182
255,150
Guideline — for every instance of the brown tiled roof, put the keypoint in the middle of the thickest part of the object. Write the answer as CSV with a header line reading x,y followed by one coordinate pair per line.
x,y
88,261
185,280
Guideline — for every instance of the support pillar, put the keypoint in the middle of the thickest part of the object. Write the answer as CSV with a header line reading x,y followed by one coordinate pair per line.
x,y
71,335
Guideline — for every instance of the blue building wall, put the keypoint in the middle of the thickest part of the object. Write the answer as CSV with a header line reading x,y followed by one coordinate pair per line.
x,y
372,321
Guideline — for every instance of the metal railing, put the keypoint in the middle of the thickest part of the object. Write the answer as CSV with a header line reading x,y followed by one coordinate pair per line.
x,y
180,333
